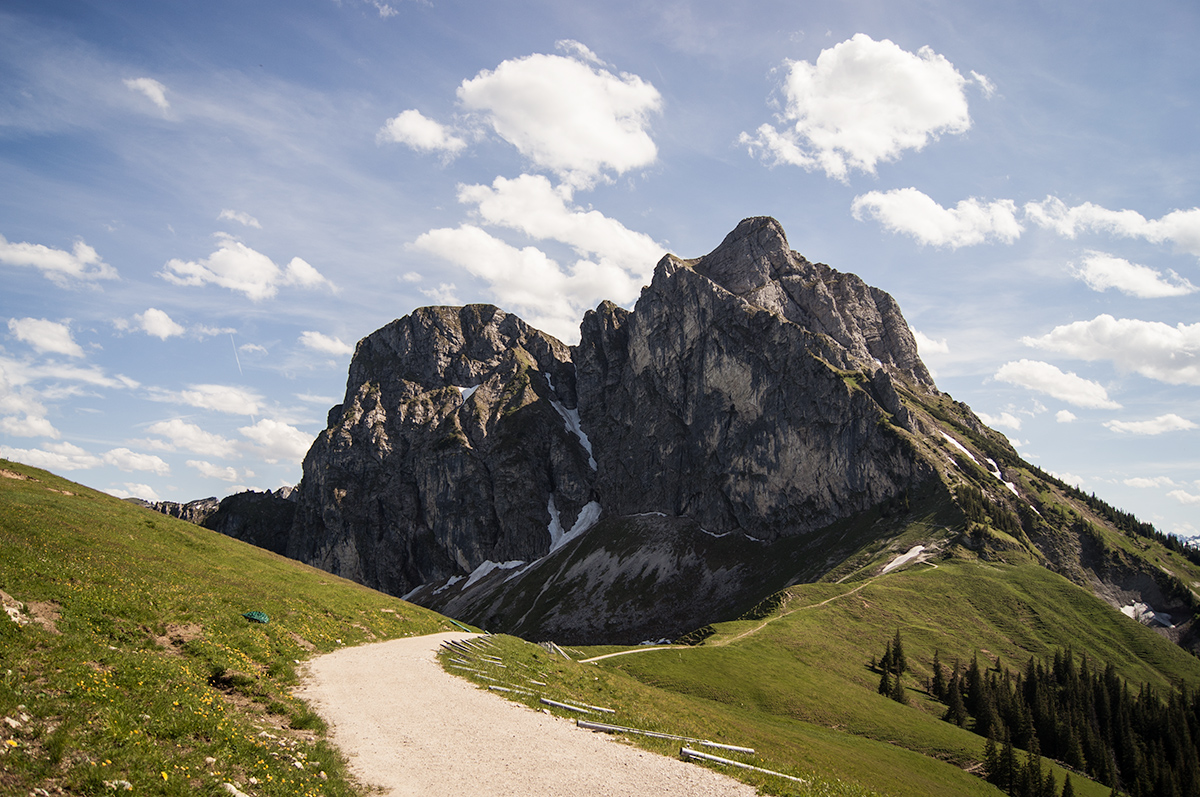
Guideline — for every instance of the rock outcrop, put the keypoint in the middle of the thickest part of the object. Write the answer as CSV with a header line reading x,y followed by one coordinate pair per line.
x,y
457,443
749,391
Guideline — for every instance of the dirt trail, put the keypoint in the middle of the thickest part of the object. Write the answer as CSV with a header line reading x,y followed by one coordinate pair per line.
x,y
411,728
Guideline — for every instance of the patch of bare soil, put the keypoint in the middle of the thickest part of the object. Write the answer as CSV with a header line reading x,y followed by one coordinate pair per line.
x,y
9,474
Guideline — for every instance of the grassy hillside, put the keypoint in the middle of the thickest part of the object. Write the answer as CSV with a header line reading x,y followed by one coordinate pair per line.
x,y
134,664
798,685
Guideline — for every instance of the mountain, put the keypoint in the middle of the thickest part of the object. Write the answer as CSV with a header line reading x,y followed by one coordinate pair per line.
x,y
755,421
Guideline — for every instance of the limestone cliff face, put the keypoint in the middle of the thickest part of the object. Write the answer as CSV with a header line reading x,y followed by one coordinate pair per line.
x,y
452,447
749,390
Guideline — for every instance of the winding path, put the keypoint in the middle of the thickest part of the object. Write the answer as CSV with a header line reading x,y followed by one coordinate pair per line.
x,y
410,728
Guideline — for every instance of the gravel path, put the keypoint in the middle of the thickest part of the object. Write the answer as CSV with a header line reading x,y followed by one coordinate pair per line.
x,y
410,728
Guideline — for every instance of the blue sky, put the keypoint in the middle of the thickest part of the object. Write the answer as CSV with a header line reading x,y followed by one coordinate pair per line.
x,y
205,206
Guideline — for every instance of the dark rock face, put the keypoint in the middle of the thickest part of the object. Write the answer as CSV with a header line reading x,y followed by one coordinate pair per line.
x,y
263,519
451,448
193,511
749,390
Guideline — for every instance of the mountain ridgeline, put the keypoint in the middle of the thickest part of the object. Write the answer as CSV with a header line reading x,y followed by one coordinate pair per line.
x,y
755,421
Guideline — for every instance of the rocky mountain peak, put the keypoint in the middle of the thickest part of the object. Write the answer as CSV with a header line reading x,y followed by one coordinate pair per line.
x,y
749,257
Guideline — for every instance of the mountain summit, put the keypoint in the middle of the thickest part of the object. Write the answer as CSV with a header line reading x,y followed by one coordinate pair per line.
x,y
755,421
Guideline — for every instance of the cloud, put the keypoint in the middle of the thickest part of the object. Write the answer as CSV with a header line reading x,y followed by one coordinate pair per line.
x,y
157,323
1005,419
28,426
209,470
863,102
1184,497
57,265
239,268
1102,271
191,437
1069,478
567,114
278,440
222,398
152,89
67,456
1046,378
45,336
323,343
525,280
134,490
1160,425
1180,227
446,293
927,345
1064,416
1143,483
240,217
1159,351
248,348
421,133
128,460
530,204
985,85
910,212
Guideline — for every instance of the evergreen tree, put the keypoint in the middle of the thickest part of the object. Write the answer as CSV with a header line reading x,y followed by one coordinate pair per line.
x,y
1050,784
899,663
898,694
956,711
885,683
938,687
887,664
991,760
1068,789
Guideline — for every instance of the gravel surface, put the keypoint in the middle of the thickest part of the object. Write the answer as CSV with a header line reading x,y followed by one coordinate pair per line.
x,y
410,728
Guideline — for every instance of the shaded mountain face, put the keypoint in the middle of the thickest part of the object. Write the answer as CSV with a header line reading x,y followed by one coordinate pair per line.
x,y
748,391
755,421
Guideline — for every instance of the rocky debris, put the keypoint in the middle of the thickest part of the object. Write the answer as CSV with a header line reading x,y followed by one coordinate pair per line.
x,y
445,453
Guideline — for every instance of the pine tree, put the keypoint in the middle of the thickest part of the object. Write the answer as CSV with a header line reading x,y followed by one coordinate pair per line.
x,y
956,712
899,663
898,694
885,683
886,663
991,760
1050,784
938,687
1068,789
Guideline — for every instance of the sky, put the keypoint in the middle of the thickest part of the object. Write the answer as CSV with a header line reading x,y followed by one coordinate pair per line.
x,y
204,206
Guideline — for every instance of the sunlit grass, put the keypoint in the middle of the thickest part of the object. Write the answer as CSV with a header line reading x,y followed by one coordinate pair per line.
x,y
154,679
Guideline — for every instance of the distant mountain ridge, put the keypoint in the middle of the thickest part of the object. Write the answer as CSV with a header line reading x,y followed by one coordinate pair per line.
x,y
756,420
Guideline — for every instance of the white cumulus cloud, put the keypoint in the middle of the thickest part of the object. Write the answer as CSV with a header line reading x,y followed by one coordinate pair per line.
x,y
157,323
47,337
57,265
863,102
1103,271
222,398
134,490
153,90
1046,378
927,345
1179,227
325,344
1184,497
1143,483
910,212
1153,349
567,114
225,474
1064,416
1160,425
128,460
278,441
1005,419
190,437
239,268
414,129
